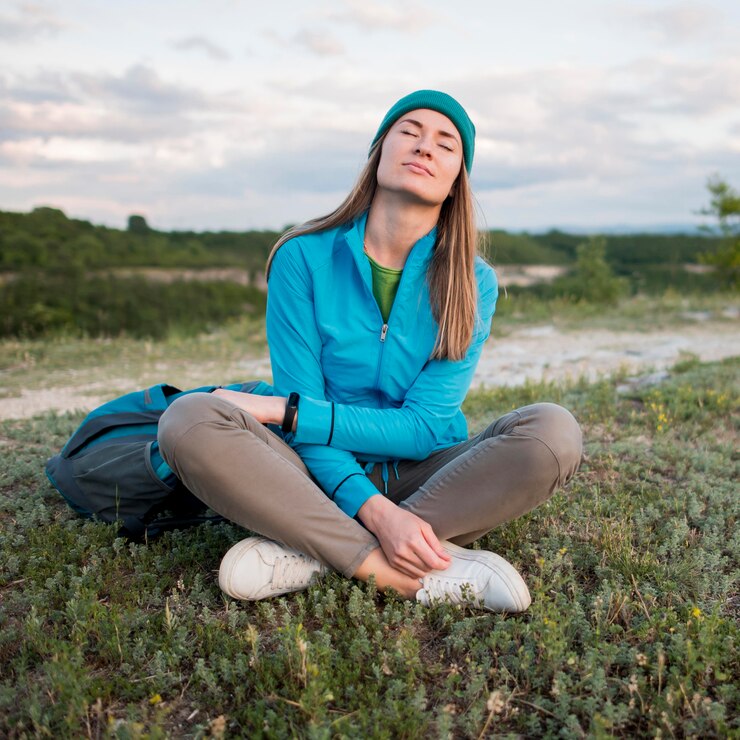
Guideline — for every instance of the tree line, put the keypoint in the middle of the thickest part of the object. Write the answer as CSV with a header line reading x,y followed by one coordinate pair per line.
x,y
46,239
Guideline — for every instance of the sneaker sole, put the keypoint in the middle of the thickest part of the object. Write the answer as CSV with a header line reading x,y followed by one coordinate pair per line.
x,y
502,568
230,561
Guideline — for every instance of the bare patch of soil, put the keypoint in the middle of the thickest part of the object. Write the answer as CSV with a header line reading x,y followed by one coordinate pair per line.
x,y
546,353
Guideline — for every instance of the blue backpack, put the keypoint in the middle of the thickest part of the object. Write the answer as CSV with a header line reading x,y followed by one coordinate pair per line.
x,y
111,468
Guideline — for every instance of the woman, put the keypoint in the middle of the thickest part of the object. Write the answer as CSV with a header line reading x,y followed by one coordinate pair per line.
x,y
376,318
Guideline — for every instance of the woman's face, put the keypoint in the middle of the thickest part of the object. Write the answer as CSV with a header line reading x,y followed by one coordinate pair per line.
x,y
421,157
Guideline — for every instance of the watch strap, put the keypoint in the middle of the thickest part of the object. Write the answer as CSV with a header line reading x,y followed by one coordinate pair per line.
x,y
291,409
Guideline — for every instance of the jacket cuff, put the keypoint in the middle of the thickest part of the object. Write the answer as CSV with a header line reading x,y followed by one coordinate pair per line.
x,y
315,422
353,492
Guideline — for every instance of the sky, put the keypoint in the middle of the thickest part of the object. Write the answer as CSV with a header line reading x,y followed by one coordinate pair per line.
x,y
236,114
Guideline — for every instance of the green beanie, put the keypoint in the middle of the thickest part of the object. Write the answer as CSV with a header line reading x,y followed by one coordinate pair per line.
x,y
442,103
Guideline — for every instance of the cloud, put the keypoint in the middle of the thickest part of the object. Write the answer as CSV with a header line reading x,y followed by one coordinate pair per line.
x,y
410,17
201,43
43,86
141,88
321,43
682,22
32,21
697,90
564,102
49,117
45,120
138,88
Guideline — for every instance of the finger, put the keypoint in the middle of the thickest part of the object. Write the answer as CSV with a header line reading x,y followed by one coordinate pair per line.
x,y
434,543
409,566
435,556
409,570
412,568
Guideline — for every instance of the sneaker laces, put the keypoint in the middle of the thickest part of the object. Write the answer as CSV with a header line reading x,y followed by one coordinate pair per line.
x,y
452,590
294,569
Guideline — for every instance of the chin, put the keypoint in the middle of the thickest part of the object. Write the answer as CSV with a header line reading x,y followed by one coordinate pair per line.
x,y
412,192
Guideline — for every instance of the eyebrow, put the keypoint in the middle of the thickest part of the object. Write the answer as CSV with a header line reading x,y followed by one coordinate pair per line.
x,y
441,132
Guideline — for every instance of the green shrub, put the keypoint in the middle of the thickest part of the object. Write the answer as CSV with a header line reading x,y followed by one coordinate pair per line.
x,y
39,304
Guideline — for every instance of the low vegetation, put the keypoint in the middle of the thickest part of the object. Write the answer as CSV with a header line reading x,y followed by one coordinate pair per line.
x,y
632,631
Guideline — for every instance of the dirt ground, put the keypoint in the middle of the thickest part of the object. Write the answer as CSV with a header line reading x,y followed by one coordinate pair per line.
x,y
544,353
532,353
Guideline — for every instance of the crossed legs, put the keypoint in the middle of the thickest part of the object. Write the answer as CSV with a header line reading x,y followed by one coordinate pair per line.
x,y
244,472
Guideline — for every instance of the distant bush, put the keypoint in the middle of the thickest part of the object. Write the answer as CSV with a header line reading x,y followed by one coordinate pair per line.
x,y
656,279
724,206
656,249
39,304
137,224
591,281
521,249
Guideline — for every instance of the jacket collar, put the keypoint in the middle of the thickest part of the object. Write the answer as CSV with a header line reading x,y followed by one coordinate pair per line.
x,y
416,263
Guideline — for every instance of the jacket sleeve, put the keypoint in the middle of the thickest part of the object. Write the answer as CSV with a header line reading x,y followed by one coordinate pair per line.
x,y
413,430
295,352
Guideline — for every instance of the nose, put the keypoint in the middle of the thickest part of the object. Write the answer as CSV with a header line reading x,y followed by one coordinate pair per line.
x,y
423,148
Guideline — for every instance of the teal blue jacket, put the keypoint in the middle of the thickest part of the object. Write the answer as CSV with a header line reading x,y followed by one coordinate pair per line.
x,y
368,390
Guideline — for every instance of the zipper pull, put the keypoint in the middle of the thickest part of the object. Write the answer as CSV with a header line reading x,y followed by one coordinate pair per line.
x,y
383,332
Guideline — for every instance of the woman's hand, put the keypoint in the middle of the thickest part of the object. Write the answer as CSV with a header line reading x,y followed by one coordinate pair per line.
x,y
266,409
409,543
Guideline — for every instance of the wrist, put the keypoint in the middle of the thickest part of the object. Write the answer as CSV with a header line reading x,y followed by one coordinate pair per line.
x,y
372,511
278,410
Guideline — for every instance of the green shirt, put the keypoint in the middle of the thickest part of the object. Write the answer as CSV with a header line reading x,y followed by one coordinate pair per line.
x,y
385,286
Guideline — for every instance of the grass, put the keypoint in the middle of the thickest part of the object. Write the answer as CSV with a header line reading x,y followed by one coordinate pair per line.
x,y
641,312
632,631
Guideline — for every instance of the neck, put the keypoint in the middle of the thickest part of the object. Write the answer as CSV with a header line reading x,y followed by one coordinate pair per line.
x,y
394,227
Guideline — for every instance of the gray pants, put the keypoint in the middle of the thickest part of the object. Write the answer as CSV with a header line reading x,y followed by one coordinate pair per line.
x,y
244,472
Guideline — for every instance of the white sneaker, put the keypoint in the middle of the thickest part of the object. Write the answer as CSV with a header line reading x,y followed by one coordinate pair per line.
x,y
257,568
477,578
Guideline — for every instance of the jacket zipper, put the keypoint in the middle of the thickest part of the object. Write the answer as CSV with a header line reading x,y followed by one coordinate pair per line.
x,y
383,333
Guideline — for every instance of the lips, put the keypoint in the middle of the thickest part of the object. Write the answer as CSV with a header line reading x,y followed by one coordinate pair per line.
x,y
418,167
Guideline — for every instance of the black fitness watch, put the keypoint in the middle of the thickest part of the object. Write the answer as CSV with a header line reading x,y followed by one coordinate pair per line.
x,y
291,409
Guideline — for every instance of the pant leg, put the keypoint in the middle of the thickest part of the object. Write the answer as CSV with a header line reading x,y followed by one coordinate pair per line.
x,y
246,473
514,465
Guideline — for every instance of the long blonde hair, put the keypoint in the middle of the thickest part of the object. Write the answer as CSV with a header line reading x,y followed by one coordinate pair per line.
x,y
453,290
